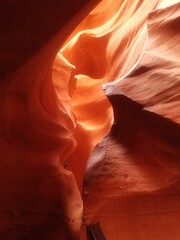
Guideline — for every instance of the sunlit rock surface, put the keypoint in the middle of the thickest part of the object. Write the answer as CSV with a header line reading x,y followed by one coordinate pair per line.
x,y
132,180
105,46
59,60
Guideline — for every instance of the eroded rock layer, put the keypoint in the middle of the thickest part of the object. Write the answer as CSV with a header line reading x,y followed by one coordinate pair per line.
x,y
55,57
39,199
132,180
105,46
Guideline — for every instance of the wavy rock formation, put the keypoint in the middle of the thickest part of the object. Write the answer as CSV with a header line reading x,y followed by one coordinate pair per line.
x,y
55,58
101,49
132,180
39,199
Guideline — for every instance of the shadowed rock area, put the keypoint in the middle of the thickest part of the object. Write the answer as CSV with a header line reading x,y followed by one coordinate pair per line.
x,y
39,199
132,181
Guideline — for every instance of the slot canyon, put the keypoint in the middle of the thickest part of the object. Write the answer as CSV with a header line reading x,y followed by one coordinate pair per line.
x,y
89,120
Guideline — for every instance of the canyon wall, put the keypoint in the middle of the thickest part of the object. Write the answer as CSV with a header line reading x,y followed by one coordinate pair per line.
x,y
89,119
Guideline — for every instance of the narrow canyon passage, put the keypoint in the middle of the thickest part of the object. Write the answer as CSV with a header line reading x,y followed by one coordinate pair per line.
x,y
89,119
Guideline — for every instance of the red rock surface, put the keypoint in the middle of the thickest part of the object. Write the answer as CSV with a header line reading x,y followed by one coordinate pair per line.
x,y
131,184
55,58
39,199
